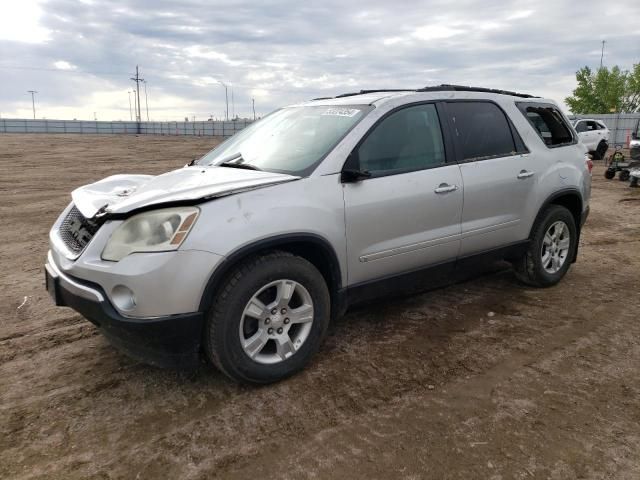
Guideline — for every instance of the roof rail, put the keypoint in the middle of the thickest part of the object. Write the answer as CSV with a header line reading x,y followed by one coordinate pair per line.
x,y
463,88
381,90
438,88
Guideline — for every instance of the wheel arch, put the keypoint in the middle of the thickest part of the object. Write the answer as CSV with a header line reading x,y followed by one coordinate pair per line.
x,y
571,199
313,248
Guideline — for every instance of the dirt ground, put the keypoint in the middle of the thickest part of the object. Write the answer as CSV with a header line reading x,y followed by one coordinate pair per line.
x,y
484,379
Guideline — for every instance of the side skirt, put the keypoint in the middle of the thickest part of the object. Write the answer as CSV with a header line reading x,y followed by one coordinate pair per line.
x,y
429,278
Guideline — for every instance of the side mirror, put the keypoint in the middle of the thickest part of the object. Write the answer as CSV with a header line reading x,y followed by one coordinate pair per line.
x,y
351,176
351,172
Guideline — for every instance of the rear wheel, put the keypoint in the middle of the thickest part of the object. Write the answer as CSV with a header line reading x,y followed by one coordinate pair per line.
x,y
609,173
268,318
550,250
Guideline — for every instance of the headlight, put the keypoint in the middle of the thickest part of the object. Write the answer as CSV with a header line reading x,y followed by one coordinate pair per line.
x,y
154,231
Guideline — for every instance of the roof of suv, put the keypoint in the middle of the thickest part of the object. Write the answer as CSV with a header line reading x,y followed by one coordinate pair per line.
x,y
369,97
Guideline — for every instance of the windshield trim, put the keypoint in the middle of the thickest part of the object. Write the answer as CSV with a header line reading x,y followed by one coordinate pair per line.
x,y
366,110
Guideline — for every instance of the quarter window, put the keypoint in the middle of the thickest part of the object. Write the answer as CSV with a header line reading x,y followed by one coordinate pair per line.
x,y
482,130
407,140
549,123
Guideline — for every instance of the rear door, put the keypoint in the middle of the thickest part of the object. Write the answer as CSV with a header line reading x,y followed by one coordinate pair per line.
x,y
407,214
498,175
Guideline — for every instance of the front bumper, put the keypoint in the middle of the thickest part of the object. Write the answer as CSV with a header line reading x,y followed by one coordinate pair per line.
x,y
170,341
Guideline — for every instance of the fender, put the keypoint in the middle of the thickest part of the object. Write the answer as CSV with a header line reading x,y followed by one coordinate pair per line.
x,y
274,242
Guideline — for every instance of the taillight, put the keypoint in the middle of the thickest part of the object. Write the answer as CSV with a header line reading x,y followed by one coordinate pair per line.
x,y
588,162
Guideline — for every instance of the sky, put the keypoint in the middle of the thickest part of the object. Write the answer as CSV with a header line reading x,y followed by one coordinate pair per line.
x,y
79,55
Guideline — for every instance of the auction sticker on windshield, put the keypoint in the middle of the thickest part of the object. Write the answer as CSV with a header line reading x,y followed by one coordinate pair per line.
x,y
341,112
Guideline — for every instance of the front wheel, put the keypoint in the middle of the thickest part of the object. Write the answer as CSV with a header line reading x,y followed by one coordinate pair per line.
x,y
551,247
268,318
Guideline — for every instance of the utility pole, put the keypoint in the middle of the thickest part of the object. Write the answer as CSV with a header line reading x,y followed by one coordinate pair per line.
x,y
602,54
137,79
33,102
233,105
130,111
226,97
253,106
146,99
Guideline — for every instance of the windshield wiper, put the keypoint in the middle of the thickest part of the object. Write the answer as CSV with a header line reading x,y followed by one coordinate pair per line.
x,y
236,161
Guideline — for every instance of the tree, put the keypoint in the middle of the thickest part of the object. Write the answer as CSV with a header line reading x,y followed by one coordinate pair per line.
x,y
606,91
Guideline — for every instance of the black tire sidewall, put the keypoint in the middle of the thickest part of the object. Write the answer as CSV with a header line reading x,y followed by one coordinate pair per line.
x,y
227,316
600,151
552,215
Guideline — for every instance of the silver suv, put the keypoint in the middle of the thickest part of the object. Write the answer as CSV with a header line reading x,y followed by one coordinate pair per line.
x,y
247,253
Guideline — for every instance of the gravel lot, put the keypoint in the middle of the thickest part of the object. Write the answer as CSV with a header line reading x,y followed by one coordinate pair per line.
x,y
484,379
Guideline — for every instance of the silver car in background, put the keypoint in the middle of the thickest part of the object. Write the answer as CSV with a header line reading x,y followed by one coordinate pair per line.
x,y
244,256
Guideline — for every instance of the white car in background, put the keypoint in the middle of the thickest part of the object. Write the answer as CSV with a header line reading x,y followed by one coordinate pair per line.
x,y
594,135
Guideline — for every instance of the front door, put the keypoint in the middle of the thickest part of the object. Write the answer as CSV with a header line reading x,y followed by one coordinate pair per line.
x,y
406,216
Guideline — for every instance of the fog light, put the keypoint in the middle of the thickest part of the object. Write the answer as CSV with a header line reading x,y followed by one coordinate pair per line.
x,y
123,297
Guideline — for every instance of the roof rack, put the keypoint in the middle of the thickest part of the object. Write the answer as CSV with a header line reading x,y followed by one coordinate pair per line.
x,y
463,88
363,92
438,88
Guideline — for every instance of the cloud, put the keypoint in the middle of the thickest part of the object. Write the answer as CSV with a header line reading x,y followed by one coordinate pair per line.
x,y
79,56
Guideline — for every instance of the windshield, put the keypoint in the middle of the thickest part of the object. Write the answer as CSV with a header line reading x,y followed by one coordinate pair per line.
x,y
292,140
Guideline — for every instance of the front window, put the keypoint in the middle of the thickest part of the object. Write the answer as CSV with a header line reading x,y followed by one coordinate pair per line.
x,y
293,140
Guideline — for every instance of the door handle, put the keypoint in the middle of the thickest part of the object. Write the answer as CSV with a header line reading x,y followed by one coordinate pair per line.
x,y
446,188
525,174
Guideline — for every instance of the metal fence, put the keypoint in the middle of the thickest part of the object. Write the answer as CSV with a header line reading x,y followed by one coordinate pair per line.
x,y
211,128
620,124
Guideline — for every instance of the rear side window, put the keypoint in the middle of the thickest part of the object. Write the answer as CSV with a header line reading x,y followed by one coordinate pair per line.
x,y
549,123
481,129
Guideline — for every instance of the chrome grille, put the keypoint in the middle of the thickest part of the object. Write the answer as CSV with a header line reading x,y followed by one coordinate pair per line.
x,y
76,231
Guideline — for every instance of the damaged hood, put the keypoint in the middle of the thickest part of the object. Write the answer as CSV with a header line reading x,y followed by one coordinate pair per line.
x,y
123,193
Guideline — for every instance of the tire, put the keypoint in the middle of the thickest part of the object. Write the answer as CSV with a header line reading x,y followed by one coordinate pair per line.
x,y
624,175
609,173
229,326
532,268
600,151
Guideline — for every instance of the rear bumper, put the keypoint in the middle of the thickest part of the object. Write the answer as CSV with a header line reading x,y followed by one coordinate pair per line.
x,y
172,341
583,217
